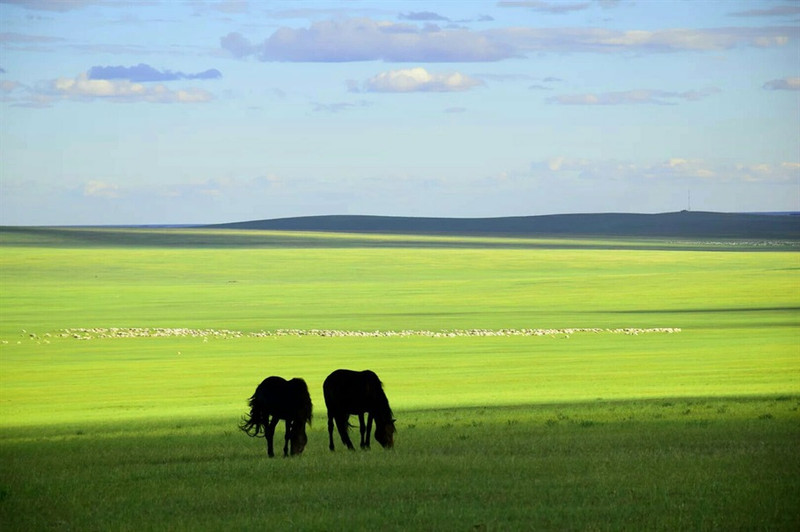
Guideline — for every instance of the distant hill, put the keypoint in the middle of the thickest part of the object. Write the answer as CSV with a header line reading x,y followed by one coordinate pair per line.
x,y
683,224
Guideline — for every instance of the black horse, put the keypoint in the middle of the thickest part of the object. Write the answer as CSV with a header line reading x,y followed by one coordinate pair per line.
x,y
350,392
276,399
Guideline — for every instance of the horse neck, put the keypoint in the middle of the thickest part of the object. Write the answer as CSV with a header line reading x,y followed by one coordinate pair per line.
x,y
303,415
382,411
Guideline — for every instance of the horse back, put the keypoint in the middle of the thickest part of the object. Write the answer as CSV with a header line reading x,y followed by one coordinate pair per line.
x,y
283,399
352,392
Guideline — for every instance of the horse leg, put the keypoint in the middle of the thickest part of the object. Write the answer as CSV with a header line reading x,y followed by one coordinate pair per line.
x,y
341,424
330,432
269,432
286,439
361,428
369,427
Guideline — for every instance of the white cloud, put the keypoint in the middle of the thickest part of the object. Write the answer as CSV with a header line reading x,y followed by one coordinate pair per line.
x,y
83,88
101,189
419,80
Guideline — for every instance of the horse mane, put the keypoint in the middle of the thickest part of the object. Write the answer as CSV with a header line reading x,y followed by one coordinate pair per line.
x,y
386,410
305,411
382,402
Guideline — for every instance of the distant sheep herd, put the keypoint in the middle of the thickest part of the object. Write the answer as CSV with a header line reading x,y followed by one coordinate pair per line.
x,y
206,334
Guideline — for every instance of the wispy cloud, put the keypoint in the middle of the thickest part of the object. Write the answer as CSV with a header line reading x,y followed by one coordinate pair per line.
x,y
419,80
632,97
422,15
776,11
783,84
225,6
506,77
364,39
222,6
602,40
10,37
145,73
547,7
47,44
549,179
9,86
675,169
338,107
53,5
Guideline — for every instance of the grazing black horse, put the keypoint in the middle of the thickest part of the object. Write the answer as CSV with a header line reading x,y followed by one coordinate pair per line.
x,y
276,399
350,392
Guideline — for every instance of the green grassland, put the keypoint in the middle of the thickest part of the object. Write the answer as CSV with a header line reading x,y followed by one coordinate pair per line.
x,y
697,429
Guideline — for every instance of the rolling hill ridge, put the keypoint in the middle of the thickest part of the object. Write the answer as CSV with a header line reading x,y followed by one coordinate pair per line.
x,y
674,225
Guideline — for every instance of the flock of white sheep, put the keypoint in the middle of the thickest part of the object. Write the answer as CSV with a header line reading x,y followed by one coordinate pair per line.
x,y
147,332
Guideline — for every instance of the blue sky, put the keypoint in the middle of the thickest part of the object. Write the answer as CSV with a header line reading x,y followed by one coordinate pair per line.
x,y
168,112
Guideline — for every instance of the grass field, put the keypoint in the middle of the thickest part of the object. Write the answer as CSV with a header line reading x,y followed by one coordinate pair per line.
x,y
697,429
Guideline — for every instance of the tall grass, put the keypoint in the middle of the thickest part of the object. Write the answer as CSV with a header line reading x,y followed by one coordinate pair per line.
x,y
667,464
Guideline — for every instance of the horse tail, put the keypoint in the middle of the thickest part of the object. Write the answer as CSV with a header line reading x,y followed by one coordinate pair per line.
x,y
253,424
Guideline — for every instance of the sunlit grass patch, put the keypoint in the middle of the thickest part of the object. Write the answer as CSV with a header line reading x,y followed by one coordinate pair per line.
x,y
126,368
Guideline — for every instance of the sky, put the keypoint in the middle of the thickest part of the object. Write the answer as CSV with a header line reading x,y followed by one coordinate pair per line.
x,y
207,111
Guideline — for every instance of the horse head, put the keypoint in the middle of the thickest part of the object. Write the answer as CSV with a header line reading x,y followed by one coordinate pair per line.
x,y
384,432
298,439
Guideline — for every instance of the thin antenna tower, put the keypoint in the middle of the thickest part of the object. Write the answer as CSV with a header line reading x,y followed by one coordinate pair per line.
x,y
689,200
